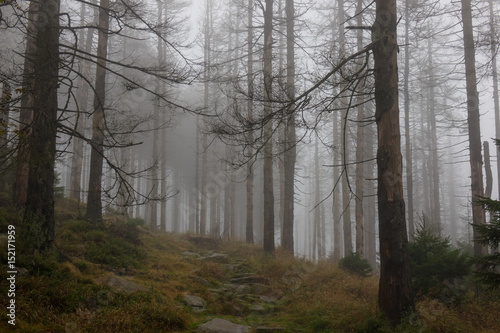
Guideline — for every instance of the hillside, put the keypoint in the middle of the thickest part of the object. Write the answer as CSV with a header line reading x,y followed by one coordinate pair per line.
x,y
124,278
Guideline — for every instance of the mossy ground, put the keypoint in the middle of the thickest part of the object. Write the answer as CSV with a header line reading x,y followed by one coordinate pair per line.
x,y
62,292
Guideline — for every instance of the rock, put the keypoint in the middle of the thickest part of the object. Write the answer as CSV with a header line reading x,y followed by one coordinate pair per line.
x,y
122,284
242,289
195,302
218,325
217,257
257,308
268,299
190,254
247,278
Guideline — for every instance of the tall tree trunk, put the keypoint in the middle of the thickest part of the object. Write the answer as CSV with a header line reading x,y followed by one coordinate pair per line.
x,y
408,152
249,183
26,113
38,224
436,202
336,209
478,215
85,42
493,48
290,151
317,196
395,296
5,101
268,130
360,166
94,201
346,209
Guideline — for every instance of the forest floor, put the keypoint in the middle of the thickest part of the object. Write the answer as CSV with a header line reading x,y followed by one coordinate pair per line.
x,y
123,278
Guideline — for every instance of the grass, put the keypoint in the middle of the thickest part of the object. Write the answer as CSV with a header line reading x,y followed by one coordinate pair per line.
x,y
64,292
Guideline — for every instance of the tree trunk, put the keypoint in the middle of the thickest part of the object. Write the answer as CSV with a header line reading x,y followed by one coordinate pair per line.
x,y
249,183
360,166
346,209
4,117
337,230
487,169
478,214
290,151
317,198
408,152
38,224
26,112
268,130
493,48
395,296
82,96
94,201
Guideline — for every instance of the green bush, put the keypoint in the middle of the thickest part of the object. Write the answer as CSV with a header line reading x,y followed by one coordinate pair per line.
x,y
489,234
435,264
355,264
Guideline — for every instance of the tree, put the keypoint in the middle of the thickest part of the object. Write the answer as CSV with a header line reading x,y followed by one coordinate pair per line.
x,y
94,200
290,154
38,224
268,130
395,295
249,183
489,234
478,215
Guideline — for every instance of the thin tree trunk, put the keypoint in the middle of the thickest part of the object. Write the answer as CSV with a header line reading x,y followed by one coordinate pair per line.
x,y
268,129
94,201
360,167
337,230
249,183
493,48
316,187
82,96
395,296
290,151
37,228
408,151
4,116
478,214
487,169
436,202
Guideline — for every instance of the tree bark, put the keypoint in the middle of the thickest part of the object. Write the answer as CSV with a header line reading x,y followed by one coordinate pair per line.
x,y
94,201
268,130
408,149
38,223
395,296
26,112
478,214
82,100
360,166
249,183
493,48
290,151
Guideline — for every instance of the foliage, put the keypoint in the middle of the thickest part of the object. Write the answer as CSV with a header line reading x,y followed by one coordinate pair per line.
x,y
434,263
355,264
488,266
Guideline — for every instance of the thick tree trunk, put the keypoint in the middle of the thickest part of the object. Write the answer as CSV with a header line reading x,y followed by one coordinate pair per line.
x,y
268,130
395,296
94,201
249,183
38,224
476,163
290,151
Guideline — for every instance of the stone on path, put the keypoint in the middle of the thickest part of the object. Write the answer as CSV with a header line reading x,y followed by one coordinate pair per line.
x,y
195,302
218,325
122,284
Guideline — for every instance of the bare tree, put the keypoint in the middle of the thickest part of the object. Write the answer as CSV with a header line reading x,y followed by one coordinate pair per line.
x,y
395,295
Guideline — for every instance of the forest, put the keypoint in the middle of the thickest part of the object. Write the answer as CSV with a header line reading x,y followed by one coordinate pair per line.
x,y
250,165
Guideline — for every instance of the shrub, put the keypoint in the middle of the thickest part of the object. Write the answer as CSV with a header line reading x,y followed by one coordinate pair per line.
x,y
355,264
435,264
